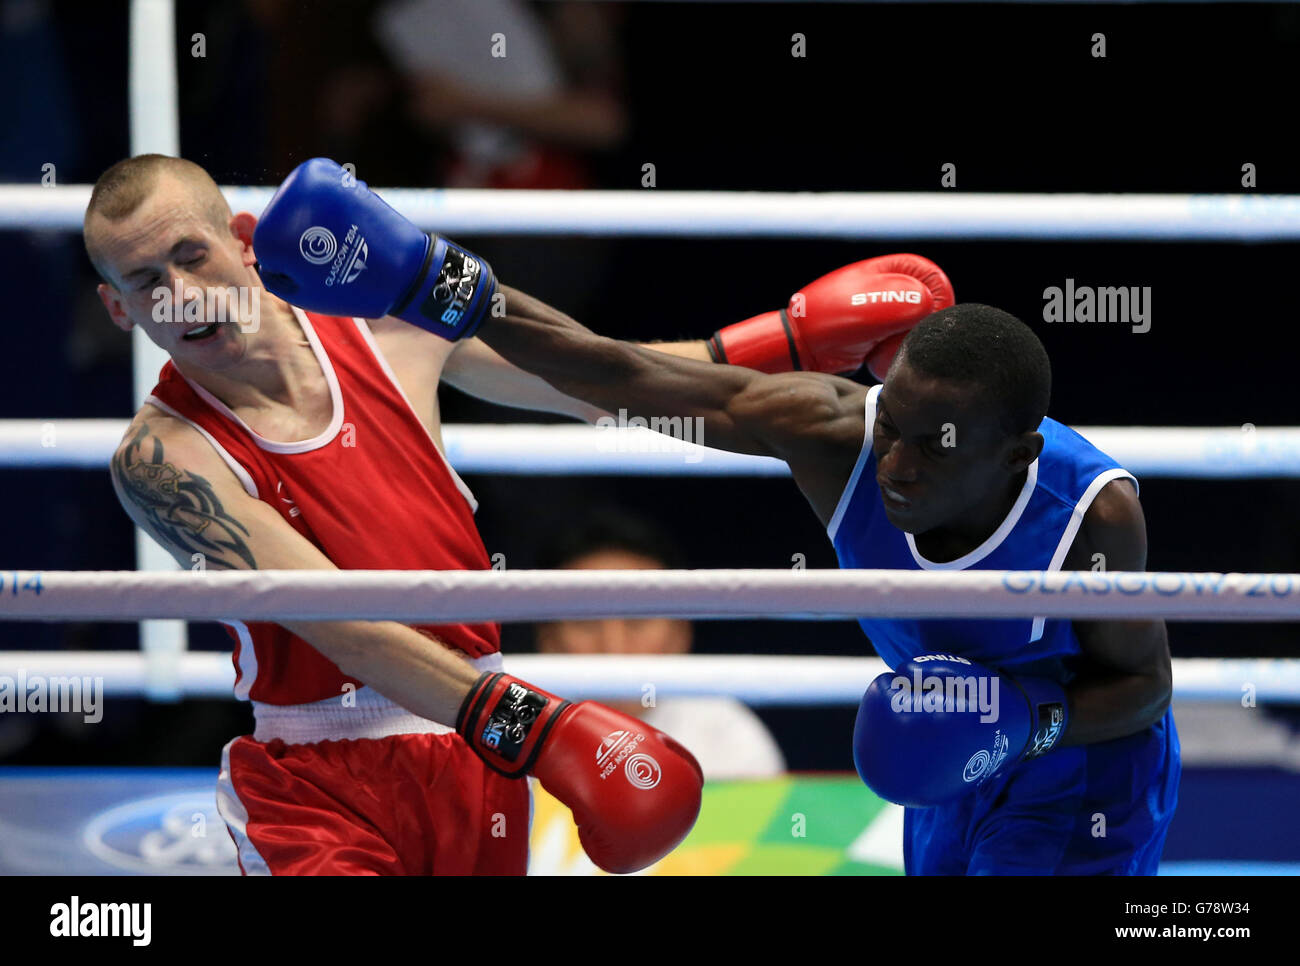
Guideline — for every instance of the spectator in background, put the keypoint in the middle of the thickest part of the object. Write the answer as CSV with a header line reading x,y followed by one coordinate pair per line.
x,y
728,739
518,98
417,93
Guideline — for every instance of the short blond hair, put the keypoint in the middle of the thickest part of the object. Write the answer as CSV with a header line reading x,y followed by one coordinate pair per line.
x,y
123,188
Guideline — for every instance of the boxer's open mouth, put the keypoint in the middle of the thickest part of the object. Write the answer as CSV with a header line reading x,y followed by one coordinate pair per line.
x,y
195,335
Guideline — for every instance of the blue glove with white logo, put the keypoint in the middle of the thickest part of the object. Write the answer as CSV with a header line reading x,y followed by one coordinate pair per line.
x,y
329,244
940,725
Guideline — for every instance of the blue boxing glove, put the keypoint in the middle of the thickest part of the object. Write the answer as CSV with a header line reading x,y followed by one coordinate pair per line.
x,y
940,725
329,244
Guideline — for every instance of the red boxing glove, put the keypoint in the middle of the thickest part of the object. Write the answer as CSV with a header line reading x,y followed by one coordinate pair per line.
x,y
634,791
859,313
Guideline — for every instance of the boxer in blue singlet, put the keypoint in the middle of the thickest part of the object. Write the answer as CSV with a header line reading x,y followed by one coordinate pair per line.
x,y
1102,807
950,464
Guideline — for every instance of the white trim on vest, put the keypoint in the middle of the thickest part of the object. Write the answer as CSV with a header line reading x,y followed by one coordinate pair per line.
x,y
833,527
1072,529
336,400
995,538
235,466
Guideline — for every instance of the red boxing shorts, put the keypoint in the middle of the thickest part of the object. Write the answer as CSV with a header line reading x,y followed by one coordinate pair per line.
x,y
370,789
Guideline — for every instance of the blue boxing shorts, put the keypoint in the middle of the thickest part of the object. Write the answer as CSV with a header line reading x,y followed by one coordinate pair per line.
x,y
1100,809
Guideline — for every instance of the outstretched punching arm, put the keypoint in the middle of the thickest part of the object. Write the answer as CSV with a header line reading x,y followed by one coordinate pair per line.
x,y
814,422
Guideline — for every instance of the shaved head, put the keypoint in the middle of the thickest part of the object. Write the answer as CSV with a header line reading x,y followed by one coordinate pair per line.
x,y
123,188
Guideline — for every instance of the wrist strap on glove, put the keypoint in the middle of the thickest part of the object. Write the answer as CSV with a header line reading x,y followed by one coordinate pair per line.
x,y
757,344
1048,712
452,293
506,721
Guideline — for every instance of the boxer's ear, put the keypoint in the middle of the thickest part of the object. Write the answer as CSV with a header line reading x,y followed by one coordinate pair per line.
x,y
112,300
242,226
1024,449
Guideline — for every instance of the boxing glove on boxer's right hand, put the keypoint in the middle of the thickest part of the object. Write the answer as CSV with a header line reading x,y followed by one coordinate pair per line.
x,y
856,314
329,244
634,791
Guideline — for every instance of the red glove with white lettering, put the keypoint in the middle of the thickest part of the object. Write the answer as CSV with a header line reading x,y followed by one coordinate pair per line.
x,y
634,791
859,313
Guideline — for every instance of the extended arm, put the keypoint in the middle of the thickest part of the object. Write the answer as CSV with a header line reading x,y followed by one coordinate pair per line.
x,y
858,313
744,410
477,369
814,422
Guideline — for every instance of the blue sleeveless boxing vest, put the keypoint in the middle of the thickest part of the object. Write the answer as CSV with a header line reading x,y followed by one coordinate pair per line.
x,y
1035,535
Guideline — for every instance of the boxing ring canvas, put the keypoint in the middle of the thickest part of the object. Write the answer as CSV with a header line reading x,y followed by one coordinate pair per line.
x,y
163,821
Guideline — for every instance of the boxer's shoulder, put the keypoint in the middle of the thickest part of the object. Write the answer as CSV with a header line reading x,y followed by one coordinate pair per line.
x,y
151,420
157,436
1114,527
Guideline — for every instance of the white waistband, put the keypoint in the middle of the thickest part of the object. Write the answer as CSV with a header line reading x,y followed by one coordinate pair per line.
x,y
364,713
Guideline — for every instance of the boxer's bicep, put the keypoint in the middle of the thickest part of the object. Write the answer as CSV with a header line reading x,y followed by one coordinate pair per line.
x,y
815,423
1113,538
1124,679
172,484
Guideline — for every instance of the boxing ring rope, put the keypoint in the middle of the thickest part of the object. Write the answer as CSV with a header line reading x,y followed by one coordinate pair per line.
x,y
523,595
849,215
454,596
758,680
448,596
1233,452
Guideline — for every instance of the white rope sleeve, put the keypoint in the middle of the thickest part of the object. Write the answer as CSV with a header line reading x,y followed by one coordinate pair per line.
x,y
434,596
758,680
567,449
748,214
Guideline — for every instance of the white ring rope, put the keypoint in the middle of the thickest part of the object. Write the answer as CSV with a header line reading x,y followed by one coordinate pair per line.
x,y
863,215
525,449
449,596
754,679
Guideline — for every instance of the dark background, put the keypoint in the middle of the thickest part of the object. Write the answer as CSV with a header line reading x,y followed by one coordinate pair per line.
x,y
884,97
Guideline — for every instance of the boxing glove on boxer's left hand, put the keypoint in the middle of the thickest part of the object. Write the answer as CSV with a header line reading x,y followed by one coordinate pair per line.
x,y
915,743
329,244
634,791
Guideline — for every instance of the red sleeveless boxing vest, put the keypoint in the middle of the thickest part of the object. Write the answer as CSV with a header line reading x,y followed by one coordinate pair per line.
x,y
372,491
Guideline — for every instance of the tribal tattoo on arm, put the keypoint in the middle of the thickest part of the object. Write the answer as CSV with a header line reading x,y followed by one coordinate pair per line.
x,y
178,508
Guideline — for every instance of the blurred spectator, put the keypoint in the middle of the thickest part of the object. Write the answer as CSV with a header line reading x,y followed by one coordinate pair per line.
x,y
457,94
728,739
518,100
514,96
